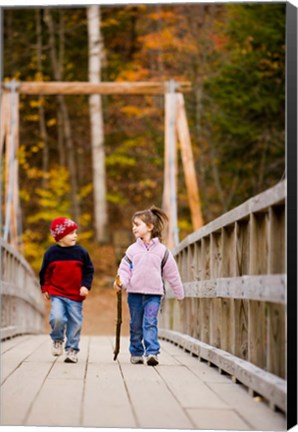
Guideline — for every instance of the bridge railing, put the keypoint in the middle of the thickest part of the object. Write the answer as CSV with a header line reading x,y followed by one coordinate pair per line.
x,y
22,306
234,313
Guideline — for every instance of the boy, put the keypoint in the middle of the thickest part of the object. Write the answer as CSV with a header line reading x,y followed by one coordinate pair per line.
x,y
65,277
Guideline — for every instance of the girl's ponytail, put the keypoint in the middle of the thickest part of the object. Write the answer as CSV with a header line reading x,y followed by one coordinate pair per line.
x,y
160,218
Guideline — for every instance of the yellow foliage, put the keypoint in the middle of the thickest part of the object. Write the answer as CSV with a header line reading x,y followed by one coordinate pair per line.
x,y
116,199
85,191
38,76
51,122
131,111
34,173
35,103
120,160
24,195
32,117
35,149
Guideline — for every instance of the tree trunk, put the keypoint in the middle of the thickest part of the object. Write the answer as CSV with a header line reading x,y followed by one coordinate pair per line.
x,y
57,70
42,123
96,120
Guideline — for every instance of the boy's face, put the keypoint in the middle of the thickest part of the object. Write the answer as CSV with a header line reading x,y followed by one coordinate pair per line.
x,y
69,240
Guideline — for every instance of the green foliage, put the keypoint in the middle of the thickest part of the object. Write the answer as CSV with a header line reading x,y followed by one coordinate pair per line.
x,y
245,99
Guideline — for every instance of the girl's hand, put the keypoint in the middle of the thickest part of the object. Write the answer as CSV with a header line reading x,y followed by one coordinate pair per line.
x,y
46,295
84,291
117,283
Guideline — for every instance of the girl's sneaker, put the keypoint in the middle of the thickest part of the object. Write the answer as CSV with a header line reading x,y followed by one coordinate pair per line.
x,y
136,360
57,348
71,356
152,360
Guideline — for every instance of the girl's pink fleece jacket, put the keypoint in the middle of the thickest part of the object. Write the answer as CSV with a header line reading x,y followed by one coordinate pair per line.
x,y
143,274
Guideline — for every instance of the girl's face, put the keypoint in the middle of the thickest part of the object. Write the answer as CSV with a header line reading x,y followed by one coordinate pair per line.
x,y
141,230
69,240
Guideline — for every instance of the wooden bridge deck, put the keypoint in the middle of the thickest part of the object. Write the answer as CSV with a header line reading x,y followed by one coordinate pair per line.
x,y
180,393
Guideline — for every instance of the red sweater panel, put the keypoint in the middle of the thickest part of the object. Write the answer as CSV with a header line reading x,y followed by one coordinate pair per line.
x,y
64,278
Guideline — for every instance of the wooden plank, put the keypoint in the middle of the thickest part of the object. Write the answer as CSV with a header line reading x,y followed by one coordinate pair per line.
x,y
276,349
265,288
8,344
225,336
256,413
13,358
204,311
241,320
190,391
258,244
228,252
63,388
256,334
206,259
242,248
65,403
215,322
154,405
277,240
216,255
106,402
77,87
20,390
217,419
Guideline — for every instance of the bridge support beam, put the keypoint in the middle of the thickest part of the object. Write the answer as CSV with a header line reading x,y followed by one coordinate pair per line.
x,y
9,146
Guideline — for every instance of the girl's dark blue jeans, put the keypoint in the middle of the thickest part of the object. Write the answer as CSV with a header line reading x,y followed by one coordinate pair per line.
x,y
143,310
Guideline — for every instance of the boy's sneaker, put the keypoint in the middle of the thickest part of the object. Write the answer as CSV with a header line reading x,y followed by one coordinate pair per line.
x,y
136,360
152,360
71,356
57,348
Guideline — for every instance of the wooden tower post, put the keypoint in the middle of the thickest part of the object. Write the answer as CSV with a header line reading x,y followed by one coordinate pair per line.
x,y
9,146
170,163
188,164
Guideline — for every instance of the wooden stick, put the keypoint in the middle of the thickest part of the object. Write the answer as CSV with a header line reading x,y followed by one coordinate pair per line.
x,y
76,87
119,319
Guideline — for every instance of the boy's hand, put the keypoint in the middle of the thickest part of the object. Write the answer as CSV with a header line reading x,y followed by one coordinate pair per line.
x,y
46,295
84,291
117,283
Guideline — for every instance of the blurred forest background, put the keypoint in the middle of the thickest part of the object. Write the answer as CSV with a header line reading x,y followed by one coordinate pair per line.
x,y
234,57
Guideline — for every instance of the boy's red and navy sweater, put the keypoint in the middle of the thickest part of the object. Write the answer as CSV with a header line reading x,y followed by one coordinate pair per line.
x,y
65,270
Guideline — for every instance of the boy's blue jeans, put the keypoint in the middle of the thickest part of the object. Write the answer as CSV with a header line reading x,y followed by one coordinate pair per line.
x,y
66,319
143,310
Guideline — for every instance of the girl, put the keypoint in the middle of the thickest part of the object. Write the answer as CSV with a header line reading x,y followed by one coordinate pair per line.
x,y
141,272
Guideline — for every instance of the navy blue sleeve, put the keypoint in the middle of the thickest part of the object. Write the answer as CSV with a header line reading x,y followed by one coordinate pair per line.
x,y
43,269
88,271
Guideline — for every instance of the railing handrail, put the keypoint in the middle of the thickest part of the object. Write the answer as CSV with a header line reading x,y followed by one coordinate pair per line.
x,y
272,196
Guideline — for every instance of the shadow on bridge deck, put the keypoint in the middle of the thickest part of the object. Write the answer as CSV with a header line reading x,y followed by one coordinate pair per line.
x,y
180,393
